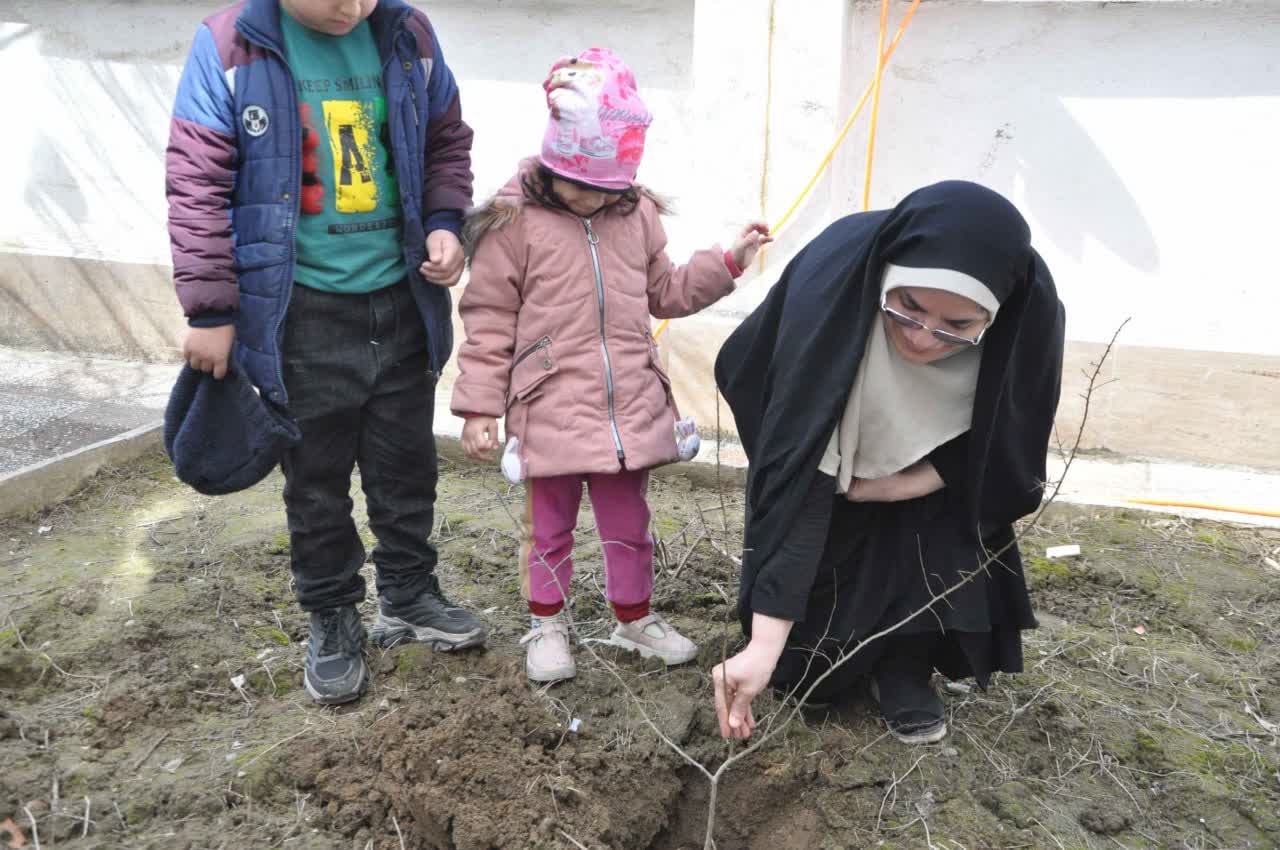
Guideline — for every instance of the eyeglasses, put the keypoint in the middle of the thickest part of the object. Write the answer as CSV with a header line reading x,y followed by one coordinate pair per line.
x,y
940,335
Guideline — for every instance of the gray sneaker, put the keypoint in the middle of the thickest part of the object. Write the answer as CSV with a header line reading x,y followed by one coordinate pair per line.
x,y
334,671
430,619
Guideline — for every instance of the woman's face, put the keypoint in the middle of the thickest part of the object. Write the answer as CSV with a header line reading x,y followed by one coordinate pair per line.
x,y
936,309
582,201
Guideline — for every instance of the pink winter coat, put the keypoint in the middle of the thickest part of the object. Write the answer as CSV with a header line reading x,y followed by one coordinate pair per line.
x,y
556,316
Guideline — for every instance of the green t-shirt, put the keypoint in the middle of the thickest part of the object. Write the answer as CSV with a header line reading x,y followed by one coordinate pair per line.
x,y
349,233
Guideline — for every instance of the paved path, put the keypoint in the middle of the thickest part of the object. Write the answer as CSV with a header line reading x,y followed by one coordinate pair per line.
x,y
51,403
55,403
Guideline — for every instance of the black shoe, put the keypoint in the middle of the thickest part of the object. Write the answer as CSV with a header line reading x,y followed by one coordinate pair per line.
x,y
909,704
430,618
334,671
789,695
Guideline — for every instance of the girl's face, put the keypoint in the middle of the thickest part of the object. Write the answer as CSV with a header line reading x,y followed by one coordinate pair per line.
x,y
331,17
936,309
582,201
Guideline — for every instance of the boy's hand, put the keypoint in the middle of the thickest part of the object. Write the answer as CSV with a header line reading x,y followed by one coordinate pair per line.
x,y
480,437
444,258
209,349
749,241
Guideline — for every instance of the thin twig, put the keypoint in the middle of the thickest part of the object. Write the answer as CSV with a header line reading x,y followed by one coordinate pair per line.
x,y
399,834
680,567
894,787
54,806
151,749
276,744
35,830
575,842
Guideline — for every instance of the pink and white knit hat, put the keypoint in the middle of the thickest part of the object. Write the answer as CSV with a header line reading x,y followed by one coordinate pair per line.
x,y
596,131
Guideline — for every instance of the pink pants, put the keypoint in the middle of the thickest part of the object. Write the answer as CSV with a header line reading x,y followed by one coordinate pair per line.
x,y
622,519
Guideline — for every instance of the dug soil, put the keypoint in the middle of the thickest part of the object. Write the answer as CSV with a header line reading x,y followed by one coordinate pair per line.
x,y
150,697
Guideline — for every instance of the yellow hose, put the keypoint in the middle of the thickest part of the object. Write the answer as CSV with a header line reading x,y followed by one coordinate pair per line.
x,y
875,106
886,53
848,125
1159,503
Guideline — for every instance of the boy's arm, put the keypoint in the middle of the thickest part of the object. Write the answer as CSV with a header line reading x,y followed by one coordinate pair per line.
x,y
489,307
447,175
199,176
676,291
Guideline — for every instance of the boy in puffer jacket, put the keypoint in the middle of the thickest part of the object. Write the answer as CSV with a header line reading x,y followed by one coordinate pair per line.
x,y
317,172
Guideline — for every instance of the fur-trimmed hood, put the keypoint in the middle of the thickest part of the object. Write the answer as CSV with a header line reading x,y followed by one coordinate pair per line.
x,y
503,207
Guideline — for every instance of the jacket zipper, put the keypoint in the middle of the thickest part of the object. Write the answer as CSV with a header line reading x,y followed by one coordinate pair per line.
x,y
537,346
295,196
394,56
592,242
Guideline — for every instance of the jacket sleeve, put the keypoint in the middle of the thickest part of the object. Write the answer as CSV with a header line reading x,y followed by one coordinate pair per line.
x,y
781,588
447,174
200,163
489,307
676,291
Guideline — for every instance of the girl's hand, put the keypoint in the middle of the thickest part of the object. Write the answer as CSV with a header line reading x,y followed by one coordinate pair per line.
x,y
480,437
749,241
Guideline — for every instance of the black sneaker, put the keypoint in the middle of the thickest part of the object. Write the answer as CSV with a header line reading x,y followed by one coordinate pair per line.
x,y
335,671
910,706
430,619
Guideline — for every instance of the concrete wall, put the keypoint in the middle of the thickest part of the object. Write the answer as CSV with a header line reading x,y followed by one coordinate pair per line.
x,y
1136,138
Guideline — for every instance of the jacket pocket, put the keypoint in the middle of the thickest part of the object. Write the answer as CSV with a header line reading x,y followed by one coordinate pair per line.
x,y
530,369
529,373
655,363
250,256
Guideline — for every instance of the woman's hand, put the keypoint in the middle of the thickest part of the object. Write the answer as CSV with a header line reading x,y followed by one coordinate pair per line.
x,y
748,243
741,678
919,479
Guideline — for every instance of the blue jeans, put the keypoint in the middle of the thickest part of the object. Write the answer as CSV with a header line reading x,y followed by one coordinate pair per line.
x,y
361,391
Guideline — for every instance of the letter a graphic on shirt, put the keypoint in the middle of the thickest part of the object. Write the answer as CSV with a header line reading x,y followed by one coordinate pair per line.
x,y
351,158
348,123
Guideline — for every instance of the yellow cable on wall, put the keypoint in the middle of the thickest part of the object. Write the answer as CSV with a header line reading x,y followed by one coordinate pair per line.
x,y
875,106
884,54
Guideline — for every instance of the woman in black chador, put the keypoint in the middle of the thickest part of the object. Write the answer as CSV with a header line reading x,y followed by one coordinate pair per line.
x,y
895,394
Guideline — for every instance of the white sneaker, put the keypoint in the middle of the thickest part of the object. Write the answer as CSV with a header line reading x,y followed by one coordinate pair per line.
x,y
654,637
549,658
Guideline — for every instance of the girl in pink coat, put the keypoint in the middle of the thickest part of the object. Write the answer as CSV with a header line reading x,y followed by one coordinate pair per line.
x,y
569,264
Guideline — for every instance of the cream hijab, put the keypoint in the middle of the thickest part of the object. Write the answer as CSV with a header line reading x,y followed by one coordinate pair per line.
x,y
900,411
